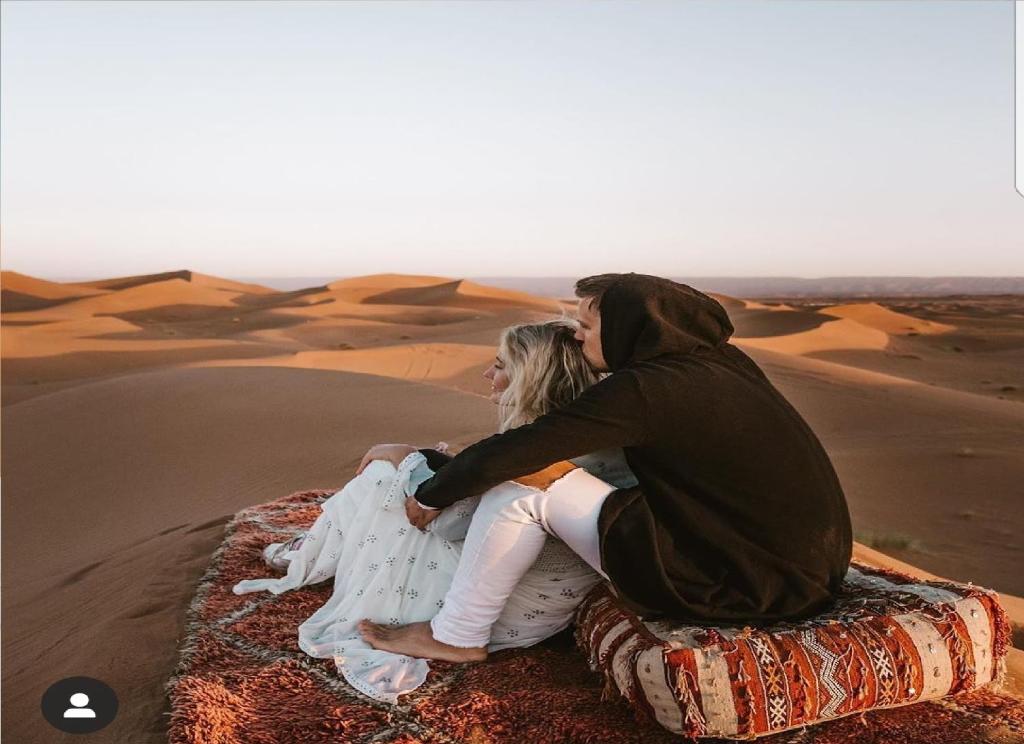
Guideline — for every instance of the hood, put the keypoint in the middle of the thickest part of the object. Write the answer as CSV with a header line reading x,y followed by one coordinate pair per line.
x,y
647,316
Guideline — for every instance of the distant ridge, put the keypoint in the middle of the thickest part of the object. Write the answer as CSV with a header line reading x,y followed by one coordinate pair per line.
x,y
783,286
748,287
744,286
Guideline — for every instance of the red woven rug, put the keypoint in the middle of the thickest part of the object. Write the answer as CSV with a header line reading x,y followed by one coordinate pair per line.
x,y
242,678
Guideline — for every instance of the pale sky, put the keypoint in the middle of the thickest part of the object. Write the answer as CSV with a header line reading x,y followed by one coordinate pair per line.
x,y
721,138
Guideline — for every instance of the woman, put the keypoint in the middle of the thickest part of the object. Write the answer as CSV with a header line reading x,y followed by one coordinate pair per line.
x,y
387,570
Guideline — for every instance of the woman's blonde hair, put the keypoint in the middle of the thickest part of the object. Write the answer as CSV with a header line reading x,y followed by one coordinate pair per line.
x,y
546,369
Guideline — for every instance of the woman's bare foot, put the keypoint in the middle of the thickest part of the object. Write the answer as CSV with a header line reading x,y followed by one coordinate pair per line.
x,y
416,639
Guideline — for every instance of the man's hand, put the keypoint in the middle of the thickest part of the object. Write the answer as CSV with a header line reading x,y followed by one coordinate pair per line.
x,y
393,453
418,516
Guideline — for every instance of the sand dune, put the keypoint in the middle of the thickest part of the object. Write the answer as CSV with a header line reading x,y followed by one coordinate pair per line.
x,y
357,289
834,334
754,320
83,334
873,315
304,332
970,345
332,304
729,303
24,284
29,377
452,365
950,460
144,297
460,293
22,292
795,330
433,291
139,417
122,488
192,277
393,303
187,317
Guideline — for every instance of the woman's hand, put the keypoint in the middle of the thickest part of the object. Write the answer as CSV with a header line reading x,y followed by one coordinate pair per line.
x,y
393,453
448,449
418,516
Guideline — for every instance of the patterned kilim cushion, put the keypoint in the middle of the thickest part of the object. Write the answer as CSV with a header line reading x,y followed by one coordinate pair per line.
x,y
242,679
889,640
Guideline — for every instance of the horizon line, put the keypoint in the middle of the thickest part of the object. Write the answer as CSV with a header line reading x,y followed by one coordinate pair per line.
x,y
314,275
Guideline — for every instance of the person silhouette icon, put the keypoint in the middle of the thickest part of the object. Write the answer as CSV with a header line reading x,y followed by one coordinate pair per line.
x,y
79,700
93,705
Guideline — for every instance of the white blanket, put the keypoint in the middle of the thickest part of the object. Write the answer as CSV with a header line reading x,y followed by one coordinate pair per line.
x,y
388,571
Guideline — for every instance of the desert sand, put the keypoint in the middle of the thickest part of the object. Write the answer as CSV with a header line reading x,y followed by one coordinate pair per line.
x,y
140,413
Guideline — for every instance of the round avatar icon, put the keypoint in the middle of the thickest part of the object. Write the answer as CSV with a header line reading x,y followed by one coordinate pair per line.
x,y
79,705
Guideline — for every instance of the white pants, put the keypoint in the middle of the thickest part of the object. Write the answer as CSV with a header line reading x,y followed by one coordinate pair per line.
x,y
504,539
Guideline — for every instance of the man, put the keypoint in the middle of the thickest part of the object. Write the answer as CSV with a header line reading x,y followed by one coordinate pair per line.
x,y
738,516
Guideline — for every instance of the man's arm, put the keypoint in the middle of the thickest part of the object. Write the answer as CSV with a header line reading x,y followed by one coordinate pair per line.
x,y
436,460
610,413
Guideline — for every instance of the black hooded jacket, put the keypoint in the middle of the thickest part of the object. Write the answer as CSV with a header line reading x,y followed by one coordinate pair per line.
x,y
738,516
